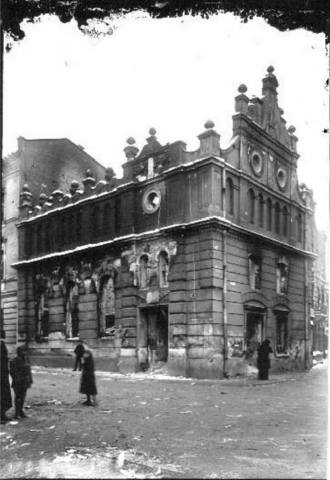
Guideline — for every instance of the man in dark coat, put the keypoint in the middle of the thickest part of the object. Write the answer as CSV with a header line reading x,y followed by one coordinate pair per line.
x,y
263,360
6,402
79,352
20,372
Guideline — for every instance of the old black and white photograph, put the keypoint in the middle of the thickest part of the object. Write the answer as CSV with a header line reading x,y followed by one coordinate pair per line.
x,y
165,239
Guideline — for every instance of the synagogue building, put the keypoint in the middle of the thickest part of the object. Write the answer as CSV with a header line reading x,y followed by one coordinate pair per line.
x,y
189,260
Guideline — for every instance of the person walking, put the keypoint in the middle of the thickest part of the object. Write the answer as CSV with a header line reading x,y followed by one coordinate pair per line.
x,y
87,384
20,372
263,360
79,352
6,402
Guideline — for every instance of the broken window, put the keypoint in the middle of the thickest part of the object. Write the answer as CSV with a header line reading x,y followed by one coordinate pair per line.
x,y
163,269
255,272
281,332
106,306
143,270
282,275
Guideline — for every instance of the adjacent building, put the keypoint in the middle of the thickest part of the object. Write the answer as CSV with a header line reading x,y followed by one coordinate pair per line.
x,y
189,260
46,165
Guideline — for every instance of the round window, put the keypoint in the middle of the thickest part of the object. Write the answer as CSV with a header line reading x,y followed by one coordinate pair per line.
x,y
151,200
281,177
256,163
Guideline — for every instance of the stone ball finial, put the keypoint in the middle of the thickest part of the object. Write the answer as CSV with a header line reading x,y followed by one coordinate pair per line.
x,y
242,88
209,124
152,131
26,187
88,173
291,129
130,141
270,69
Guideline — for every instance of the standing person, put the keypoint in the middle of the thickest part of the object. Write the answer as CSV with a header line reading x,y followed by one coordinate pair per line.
x,y
79,352
87,384
6,402
263,360
20,372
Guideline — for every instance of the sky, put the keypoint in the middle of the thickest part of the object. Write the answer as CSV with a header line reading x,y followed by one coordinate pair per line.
x,y
170,74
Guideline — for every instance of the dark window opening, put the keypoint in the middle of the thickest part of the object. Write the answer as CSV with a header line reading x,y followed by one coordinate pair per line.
x,y
281,333
261,210
117,215
251,205
230,196
282,276
285,221
255,272
269,215
277,217
163,269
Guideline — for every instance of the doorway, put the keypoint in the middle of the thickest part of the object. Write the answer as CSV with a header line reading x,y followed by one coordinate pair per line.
x,y
152,345
253,332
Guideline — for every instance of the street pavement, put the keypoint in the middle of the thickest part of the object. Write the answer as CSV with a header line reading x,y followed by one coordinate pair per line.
x,y
156,426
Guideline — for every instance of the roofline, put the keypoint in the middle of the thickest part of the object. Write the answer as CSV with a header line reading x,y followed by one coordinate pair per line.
x,y
61,140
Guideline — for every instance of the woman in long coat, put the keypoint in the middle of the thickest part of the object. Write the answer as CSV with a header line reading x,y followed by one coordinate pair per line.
x,y
87,384
6,402
263,360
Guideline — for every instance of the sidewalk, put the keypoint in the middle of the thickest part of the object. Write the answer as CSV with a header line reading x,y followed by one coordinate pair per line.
x,y
250,380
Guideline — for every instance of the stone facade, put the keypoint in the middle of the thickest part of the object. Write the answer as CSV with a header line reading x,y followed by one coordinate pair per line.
x,y
46,165
189,260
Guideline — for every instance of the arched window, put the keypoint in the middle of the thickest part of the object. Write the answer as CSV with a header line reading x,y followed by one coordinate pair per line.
x,y
38,232
163,269
47,237
269,215
299,227
71,231
282,275
96,221
106,218
260,210
143,271
251,205
277,217
28,241
63,230
117,215
285,221
78,226
229,196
